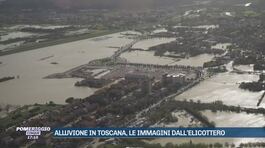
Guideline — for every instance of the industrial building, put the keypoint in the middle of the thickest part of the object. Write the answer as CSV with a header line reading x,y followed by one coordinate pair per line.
x,y
179,78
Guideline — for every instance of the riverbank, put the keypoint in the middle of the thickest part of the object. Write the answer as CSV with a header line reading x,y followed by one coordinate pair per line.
x,y
6,79
27,47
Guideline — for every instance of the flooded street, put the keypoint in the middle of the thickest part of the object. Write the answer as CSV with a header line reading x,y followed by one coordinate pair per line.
x,y
32,66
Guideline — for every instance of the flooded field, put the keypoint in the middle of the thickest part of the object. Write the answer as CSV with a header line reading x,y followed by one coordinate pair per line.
x,y
45,26
229,119
196,61
10,46
148,57
246,68
184,119
160,30
146,44
223,46
13,35
17,34
30,67
224,87
206,27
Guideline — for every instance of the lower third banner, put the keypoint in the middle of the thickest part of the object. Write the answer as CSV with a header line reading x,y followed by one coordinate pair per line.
x,y
158,132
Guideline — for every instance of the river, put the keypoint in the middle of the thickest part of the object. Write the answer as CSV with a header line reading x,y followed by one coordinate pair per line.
x,y
31,66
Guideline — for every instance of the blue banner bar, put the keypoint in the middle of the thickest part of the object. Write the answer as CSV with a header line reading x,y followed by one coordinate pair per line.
x,y
158,132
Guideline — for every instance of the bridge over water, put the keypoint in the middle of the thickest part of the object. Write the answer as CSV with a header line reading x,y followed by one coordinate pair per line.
x,y
130,45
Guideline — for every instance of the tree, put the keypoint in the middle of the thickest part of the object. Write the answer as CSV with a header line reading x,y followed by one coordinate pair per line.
x,y
217,145
69,100
51,103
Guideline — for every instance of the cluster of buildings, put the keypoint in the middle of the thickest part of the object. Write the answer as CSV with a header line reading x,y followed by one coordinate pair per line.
x,y
145,80
178,78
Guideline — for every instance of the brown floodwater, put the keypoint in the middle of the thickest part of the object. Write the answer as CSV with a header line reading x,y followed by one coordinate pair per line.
x,y
31,66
